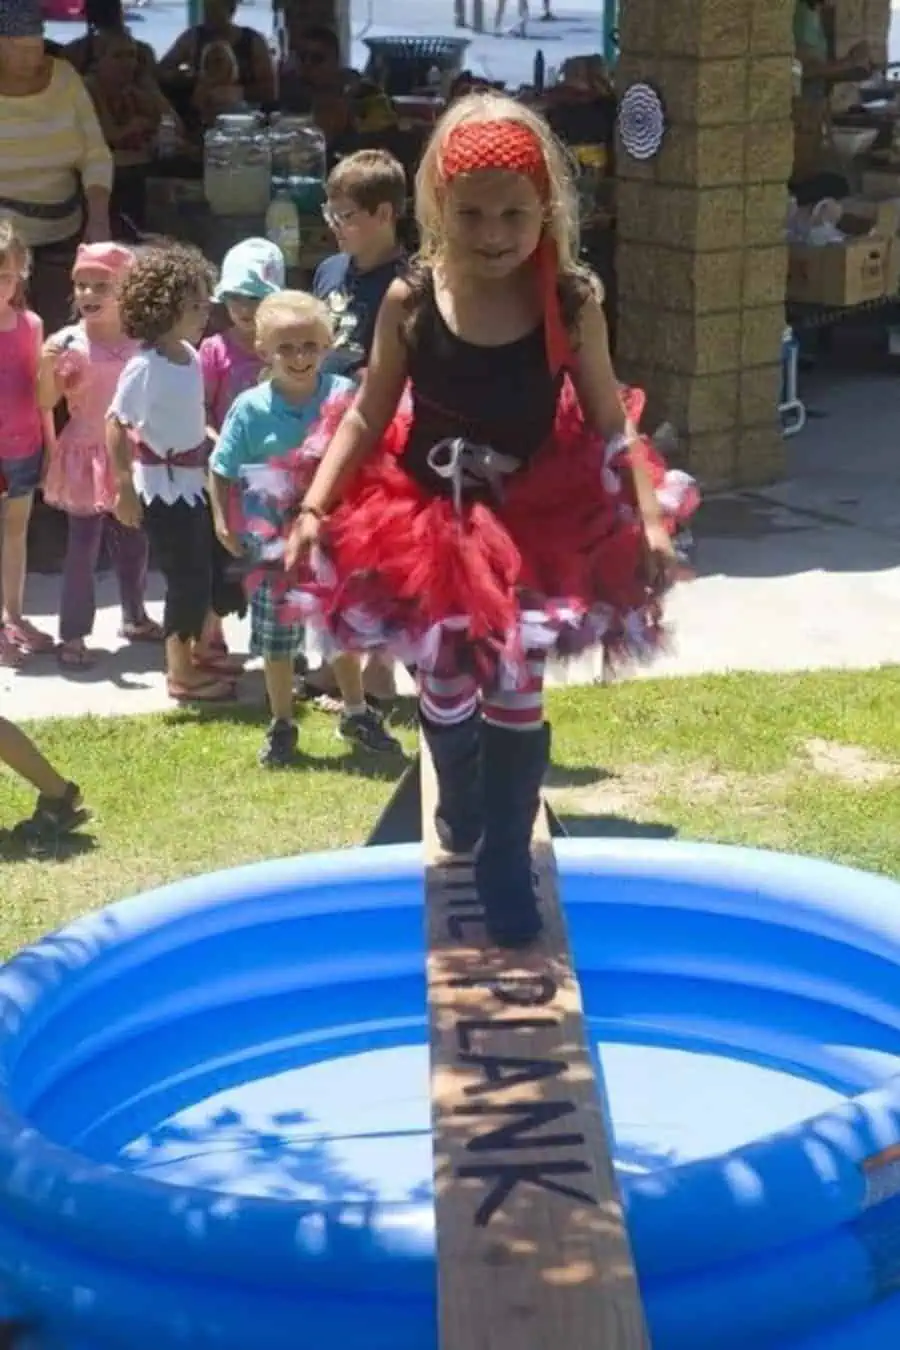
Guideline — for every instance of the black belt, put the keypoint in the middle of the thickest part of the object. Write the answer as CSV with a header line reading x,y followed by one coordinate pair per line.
x,y
47,211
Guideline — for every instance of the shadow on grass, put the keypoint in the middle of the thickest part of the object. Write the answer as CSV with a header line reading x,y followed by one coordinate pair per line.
x,y
615,827
384,768
576,775
15,848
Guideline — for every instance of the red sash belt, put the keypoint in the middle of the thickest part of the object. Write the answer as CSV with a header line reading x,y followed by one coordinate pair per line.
x,y
173,459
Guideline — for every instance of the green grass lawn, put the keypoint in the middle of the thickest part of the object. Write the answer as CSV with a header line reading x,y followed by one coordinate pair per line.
x,y
809,763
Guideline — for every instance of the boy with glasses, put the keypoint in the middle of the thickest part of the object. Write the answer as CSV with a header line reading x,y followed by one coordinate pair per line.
x,y
365,200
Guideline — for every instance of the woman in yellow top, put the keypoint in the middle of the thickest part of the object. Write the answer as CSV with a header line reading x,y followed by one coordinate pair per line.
x,y
55,167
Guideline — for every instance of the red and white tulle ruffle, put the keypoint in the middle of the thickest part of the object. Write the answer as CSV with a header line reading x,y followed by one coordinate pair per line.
x,y
558,564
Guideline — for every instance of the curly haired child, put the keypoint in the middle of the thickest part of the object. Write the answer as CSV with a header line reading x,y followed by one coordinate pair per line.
x,y
157,441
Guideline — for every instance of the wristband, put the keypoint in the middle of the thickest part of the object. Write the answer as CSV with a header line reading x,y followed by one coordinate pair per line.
x,y
310,511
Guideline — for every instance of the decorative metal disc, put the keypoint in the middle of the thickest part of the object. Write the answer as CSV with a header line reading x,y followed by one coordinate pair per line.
x,y
641,121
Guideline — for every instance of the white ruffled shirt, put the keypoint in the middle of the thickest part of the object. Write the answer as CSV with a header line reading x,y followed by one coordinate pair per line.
x,y
163,402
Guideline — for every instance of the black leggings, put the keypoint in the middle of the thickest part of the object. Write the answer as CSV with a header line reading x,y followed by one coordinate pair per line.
x,y
181,540
228,594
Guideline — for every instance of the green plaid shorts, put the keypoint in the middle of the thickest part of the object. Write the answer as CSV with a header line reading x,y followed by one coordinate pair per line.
x,y
269,637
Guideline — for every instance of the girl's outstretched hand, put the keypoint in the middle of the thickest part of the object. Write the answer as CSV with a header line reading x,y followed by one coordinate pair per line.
x,y
305,534
662,558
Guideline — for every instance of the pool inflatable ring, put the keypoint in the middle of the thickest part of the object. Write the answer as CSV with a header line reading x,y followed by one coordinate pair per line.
x,y
214,1103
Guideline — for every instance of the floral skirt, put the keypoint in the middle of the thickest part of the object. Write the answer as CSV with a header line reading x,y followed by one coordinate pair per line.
x,y
79,477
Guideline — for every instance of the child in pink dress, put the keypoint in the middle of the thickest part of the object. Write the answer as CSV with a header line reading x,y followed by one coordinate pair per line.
x,y
21,445
251,271
81,366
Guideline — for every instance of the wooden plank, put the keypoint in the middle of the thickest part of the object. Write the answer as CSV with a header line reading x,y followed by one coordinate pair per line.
x,y
533,1251
400,821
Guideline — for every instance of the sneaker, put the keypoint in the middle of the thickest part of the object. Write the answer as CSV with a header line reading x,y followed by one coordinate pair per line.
x,y
368,731
54,817
280,749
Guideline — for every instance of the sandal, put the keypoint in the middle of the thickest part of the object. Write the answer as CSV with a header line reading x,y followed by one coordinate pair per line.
x,y
323,702
11,656
74,655
219,663
54,817
30,640
211,691
330,704
147,630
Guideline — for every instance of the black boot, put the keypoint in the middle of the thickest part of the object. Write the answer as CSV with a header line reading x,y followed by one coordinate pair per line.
x,y
514,766
456,752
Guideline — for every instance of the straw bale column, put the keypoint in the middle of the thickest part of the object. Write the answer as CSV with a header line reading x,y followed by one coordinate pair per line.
x,y
701,260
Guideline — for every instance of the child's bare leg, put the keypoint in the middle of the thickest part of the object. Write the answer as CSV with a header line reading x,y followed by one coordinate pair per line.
x,y
378,677
280,748
13,560
20,754
211,651
183,673
16,514
349,679
213,634
279,677
360,723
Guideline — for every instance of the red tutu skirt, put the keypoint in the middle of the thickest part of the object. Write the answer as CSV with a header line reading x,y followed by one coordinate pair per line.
x,y
557,564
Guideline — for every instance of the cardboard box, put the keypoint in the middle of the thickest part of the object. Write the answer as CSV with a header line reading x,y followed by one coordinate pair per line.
x,y
861,214
865,267
881,218
854,272
881,184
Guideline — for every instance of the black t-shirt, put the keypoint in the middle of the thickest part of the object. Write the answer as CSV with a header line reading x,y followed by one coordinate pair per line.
x,y
354,299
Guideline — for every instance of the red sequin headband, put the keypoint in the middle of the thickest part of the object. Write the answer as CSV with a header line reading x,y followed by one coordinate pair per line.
x,y
507,145
499,144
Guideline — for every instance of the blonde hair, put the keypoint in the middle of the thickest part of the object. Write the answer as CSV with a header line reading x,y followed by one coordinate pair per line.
x,y
562,201
14,249
287,308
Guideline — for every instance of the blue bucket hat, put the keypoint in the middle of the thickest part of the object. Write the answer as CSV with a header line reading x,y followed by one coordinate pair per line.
x,y
254,269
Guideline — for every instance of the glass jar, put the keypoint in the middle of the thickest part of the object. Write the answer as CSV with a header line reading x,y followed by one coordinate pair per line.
x,y
299,161
237,166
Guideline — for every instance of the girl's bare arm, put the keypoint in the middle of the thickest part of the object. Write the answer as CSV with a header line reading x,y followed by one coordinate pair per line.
x,y
372,409
118,447
598,391
48,389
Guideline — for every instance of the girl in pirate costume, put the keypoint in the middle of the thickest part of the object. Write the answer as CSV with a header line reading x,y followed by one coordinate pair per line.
x,y
485,501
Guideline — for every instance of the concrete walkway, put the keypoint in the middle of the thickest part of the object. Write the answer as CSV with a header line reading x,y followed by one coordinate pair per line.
x,y
804,575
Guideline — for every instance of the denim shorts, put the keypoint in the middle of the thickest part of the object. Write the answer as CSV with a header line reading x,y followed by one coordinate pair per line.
x,y
22,477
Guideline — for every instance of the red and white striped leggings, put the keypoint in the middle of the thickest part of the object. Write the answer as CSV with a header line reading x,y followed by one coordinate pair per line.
x,y
447,700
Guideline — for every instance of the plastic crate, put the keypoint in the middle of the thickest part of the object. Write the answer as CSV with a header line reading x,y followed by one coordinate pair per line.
x,y
401,64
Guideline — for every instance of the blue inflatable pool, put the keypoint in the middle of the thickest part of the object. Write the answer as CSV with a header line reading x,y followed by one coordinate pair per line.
x,y
214,1114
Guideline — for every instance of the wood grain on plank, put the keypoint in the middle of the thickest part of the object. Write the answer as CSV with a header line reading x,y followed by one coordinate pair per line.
x,y
533,1251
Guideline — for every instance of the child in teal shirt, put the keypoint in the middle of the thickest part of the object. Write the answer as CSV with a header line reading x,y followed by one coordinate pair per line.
x,y
294,336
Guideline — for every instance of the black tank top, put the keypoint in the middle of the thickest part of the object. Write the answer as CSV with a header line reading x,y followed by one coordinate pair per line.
x,y
502,397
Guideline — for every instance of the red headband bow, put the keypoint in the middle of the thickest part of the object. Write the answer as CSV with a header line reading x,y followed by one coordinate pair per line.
x,y
510,146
